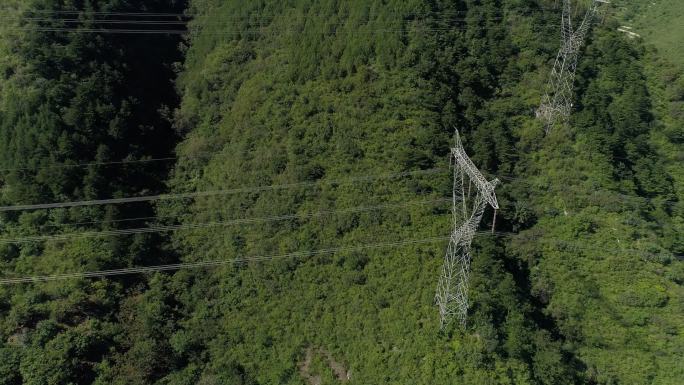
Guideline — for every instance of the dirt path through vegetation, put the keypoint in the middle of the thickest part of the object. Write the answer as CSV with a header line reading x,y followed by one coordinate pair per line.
x,y
305,367
341,373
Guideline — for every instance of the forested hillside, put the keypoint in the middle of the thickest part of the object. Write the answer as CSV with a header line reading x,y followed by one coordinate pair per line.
x,y
321,132
69,99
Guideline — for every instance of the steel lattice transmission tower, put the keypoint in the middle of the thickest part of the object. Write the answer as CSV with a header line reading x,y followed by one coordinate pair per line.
x,y
467,210
557,101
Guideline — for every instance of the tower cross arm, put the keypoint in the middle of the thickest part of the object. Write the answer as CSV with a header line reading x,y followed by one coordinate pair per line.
x,y
481,183
579,34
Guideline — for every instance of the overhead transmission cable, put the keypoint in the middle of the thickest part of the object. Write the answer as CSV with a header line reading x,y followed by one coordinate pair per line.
x,y
265,31
79,12
196,194
157,217
236,22
361,28
169,228
252,189
213,263
526,181
247,16
240,221
257,13
301,254
92,164
171,157
508,178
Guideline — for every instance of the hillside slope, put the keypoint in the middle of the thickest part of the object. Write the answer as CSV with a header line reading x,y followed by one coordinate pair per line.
x,y
316,92
73,106
659,22
317,133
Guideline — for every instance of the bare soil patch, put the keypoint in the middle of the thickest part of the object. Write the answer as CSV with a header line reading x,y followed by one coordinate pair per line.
x,y
339,370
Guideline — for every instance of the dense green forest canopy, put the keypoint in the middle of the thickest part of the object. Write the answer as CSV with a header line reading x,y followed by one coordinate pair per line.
x,y
349,108
71,98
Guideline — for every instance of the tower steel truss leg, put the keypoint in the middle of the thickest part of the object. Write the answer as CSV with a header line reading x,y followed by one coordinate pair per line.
x,y
467,210
556,103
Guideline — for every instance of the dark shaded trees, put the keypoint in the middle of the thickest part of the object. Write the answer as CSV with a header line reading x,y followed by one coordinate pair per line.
x,y
69,98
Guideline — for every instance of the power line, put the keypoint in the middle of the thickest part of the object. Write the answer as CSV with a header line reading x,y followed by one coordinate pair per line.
x,y
251,17
520,179
259,14
213,263
196,155
241,221
255,14
595,191
95,233
215,192
103,21
266,29
218,263
179,18
84,12
237,22
220,192
91,164
105,30
108,221
582,245
203,26
273,32
183,18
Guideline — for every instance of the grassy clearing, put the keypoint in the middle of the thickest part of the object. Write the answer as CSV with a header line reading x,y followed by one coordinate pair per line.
x,y
659,22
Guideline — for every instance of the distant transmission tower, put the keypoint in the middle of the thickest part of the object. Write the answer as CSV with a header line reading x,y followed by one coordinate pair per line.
x,y
467,210
557,101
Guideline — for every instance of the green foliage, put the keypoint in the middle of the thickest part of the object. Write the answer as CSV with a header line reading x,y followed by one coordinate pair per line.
x,y
544,311
57,355
69,98
665,34
379,93
9,365
306,93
